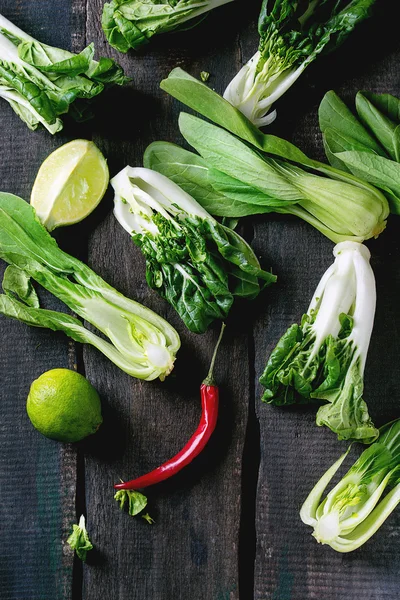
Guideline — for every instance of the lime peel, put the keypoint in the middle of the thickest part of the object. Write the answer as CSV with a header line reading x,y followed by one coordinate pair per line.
x,y
63,405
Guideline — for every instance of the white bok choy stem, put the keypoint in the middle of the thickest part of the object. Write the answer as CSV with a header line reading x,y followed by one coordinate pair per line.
x,y
348,287
254,92
140,193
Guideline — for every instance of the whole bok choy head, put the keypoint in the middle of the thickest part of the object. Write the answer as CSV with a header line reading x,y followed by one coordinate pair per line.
x,y
131,23
194,262
41,82
354,509
292,34
324,357
232,179
137,340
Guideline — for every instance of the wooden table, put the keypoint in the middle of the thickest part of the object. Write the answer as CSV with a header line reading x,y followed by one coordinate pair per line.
x,y
228,526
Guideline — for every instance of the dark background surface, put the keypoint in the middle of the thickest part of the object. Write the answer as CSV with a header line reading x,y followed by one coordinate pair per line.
x,y
228,526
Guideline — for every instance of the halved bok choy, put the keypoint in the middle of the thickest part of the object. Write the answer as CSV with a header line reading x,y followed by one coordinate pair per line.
x,y
357,506
135,339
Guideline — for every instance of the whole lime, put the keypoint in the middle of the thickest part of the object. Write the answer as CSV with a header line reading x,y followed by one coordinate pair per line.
x,y
63,405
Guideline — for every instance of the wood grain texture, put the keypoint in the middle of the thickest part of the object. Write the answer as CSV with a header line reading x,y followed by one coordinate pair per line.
x,y
192,549
226,528
290,565
37,475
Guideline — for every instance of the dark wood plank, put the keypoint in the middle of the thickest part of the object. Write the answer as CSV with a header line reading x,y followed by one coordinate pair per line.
x,y
204,541
294,452
37,475
192,549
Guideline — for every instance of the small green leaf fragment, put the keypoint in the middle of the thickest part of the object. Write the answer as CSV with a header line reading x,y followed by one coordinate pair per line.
x,y
148,518
79,539
18,284
135,501
204,76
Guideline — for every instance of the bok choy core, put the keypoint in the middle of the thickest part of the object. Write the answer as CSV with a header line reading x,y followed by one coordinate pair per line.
x,y
194,262
137,340
132,23
324,357
354,509
292,35
41,82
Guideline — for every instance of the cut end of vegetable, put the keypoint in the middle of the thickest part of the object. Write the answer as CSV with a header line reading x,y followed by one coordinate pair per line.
x,y
69,184
356,507
327,528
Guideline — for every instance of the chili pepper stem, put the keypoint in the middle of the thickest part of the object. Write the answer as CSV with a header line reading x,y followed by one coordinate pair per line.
x,y
209,380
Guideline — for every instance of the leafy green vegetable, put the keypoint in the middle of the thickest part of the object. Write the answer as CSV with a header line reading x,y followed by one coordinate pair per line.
x,y
324,357
16,283
211,105
353,510
79,539
195,263
137,340
367,146
135,501
292,35
201,98
232,179
42,82
191,173
206,183
132,23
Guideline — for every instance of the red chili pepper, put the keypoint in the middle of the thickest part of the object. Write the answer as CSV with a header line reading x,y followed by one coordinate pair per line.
x,y
209,406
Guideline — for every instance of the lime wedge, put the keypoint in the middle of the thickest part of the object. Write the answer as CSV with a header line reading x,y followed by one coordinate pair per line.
x,y
70,184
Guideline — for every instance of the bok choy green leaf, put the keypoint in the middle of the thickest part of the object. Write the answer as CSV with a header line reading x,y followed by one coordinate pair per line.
x,y
366,144
333,201
79,539
356,507
194,262
292,35
324,357
42,82
135,339
132,23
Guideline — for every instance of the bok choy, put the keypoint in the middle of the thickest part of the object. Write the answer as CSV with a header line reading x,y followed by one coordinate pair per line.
x,y
356,507
324,357
132,23
135,339
42,82
292,35
233,180
194,262
367,143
